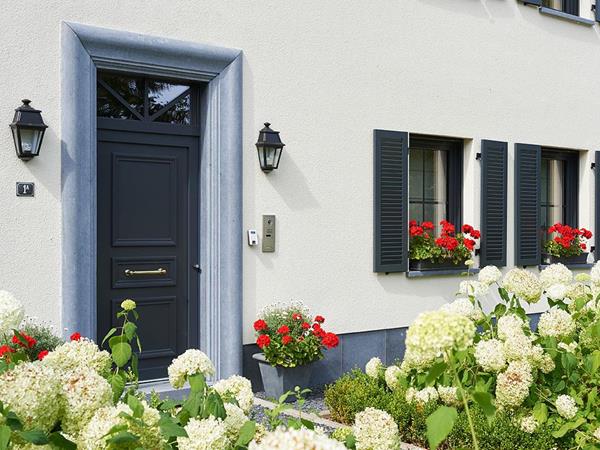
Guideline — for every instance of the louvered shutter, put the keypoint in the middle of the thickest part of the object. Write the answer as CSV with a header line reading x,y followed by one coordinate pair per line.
x,y
527,204
390,201
493,202
597,207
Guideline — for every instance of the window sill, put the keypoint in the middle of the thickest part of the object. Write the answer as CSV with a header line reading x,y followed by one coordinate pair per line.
x,y
438,272
565,16
570,266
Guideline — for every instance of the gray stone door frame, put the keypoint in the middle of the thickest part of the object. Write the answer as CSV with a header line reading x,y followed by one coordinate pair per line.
x,y
84,50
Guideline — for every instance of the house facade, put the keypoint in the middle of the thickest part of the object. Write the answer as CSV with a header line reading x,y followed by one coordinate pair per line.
x,y
148,180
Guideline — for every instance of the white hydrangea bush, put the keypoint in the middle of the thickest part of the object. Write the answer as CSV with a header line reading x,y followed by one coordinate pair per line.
x,y
375,429
293,439
191,362
239,388
11,313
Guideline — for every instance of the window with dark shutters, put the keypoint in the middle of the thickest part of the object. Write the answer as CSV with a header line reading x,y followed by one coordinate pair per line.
x,y
494,162
597,207
527,204
390,201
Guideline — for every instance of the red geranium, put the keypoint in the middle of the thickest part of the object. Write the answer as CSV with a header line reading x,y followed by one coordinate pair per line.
x,y
263,341
30,341
297,316
467,228
319,319
305,325
283,329
42,354
448,246
330,340
416,230
5,349
569,241
260,325
427,225
76,336
287,339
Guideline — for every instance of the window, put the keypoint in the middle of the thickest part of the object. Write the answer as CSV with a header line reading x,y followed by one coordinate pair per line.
x,y
130,97
435,179
566,6
558,188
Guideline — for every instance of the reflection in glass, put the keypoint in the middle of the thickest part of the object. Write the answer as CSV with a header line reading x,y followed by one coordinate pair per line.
x,y
130,89
180,112
109,106
555,4
161,93
427,185
552,192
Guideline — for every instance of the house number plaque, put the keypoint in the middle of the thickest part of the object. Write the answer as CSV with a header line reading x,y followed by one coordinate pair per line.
x,y
25,189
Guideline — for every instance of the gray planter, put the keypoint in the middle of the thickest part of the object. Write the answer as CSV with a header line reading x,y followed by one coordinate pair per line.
x,y
278,380
579,259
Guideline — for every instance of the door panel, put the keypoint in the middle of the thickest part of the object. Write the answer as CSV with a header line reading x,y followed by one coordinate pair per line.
x,y
148,239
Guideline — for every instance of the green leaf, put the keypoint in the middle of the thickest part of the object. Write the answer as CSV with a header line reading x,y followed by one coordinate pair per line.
x,y
568,427
169,428
129,329
121,353
435,372
5,433
246,434
136,406
540,413
108,335
37,437
123,437
197,382
568,361
485,400
214,406
440,424
117,383
58,440
135,364
116,340
350,442
193,403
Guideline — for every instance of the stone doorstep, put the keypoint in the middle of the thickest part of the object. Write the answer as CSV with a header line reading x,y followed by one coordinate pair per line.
x,y
318,419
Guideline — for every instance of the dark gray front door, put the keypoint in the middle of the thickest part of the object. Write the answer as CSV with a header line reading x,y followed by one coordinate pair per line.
x,y
148,217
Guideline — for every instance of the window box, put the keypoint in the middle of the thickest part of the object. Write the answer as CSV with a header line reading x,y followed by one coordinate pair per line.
x,y
422,265
570,260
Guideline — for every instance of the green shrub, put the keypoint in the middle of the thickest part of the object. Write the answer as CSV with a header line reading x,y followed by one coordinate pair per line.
x,y
355,391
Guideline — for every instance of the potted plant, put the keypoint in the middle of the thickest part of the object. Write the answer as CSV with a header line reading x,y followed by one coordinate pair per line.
x,y
449,250
290,340
567,246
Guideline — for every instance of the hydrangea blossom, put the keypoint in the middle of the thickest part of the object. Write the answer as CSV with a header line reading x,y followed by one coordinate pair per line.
x,y
32,391
291,439
557,291
489,275
566,407
512,385
597,434
473,288
435,333
425,395
569,348
205,434
595,273
490,356
448,395
11,313
392,375
84,392
519,347
463,306
373,367
94,435
79,354
235,420
523,284
238,387
577,290
529,424
509,326
191,362
556,323
375,429
556,274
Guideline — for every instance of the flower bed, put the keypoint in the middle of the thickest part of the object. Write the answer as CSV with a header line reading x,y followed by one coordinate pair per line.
x,y
504,387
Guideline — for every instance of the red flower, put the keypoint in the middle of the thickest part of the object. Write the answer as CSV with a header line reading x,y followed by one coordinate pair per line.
x,y
412,223
586,233
583,246
330,340
260,325
467,228
427,225
319,319
283,329
416,231
76,336
42,354
297,316
475,234
318,331
447,242
30,341
305,325
469,243
5,349
447,227
263,341
287,339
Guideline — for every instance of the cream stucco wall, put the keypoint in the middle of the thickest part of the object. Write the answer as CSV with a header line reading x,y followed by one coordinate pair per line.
x,y
325,74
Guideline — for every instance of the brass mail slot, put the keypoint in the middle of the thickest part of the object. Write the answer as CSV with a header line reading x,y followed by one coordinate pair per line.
x,y
132,273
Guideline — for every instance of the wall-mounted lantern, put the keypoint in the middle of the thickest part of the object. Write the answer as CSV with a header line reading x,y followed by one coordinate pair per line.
x,y
269,148
28,129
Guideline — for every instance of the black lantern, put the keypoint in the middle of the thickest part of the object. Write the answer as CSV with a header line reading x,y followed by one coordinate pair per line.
x,y
28,129
269,148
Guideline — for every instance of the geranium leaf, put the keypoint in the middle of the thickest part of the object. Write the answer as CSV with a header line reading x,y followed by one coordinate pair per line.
x,y
440,424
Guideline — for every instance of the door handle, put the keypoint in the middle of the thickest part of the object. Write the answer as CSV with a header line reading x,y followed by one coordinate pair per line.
x,y
159,271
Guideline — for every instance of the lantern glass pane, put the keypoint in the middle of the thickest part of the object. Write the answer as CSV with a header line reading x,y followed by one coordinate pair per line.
x,y
30,140
277,156
271,153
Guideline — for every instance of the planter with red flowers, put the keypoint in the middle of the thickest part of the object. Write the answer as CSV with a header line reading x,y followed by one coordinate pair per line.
x,y
566,245
290,340
449,250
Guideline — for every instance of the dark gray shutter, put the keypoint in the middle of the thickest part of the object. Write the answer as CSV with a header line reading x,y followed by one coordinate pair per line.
x,y
527,204
494,160
571,7
597,207
390,201
597,10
